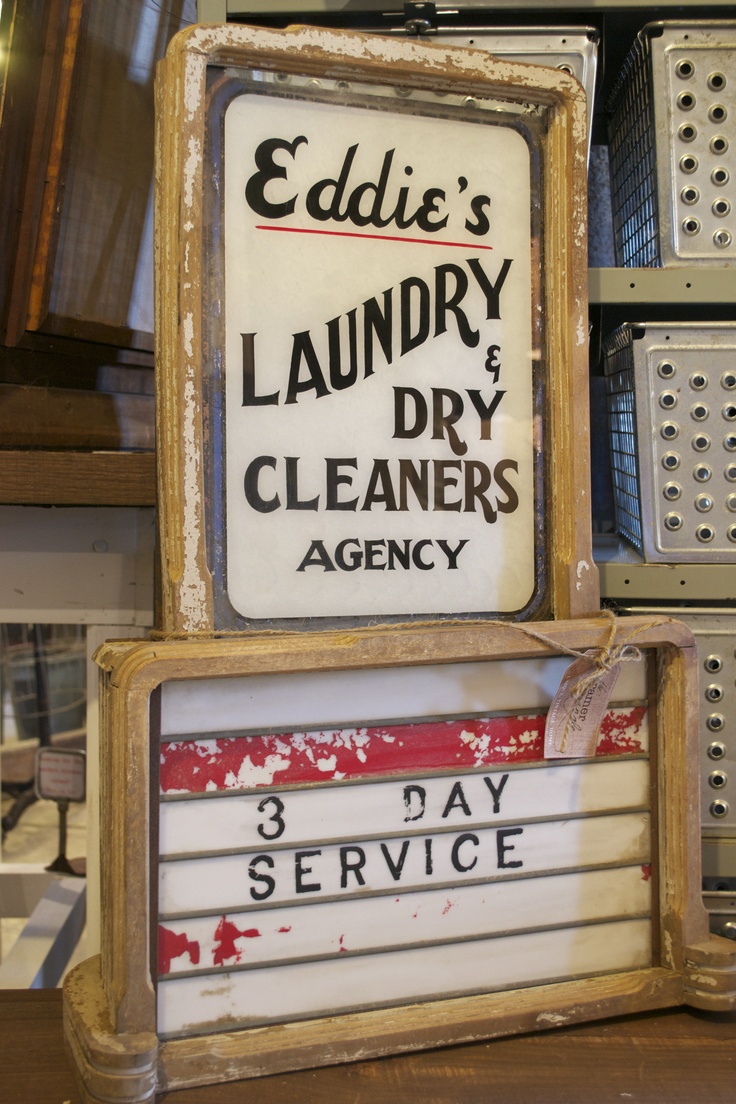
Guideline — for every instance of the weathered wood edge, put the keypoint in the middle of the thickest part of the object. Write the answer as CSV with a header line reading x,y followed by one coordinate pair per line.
x,y
379,646
267,1050
186,584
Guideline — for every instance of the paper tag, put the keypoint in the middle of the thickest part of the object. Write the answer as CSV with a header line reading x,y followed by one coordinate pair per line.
x,y
573,720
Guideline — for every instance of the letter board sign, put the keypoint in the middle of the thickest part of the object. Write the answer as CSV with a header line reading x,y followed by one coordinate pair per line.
x,y
357,836
372,342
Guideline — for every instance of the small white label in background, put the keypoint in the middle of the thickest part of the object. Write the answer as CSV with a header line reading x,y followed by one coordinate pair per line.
x,y
577,710
60,774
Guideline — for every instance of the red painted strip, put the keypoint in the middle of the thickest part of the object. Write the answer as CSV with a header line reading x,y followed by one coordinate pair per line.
x,y
247,762
374,237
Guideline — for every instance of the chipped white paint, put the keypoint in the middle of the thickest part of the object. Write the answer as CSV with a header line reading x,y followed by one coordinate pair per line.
x,y
191,170
583,565
428,59
194,73
667,951
704,979
552,1019
191,588
188,334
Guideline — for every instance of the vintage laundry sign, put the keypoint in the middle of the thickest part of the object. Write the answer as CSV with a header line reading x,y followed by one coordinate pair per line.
x,y
327,846
372,342
278,882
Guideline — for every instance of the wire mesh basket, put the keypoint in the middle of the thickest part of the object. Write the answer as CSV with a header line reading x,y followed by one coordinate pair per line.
x,y
671,398
672,138
715,636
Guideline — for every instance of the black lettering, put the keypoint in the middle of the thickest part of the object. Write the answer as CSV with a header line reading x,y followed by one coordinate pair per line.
x,y
485,413
317,557
340,380
293,501
452,553
416,556
428,864
402,555
481,225
249,376
429,207
456,800
250,485
411,340
477,482
401,430
354,867
356,558
315,381
443,304
256,876
336,478
496,791
491,291
398,866
442,481
379,323
373,549
417,480
255,188
276,818
380,488
315,193
467,837
512,501
373,216
502,847
493,364
442,423
301,871
409,793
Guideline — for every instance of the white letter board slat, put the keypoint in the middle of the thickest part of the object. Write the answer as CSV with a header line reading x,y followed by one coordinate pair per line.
x,y
522,887
371,333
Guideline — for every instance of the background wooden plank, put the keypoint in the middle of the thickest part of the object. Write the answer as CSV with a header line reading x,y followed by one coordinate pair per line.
x,y
672,1057
50,417
77,478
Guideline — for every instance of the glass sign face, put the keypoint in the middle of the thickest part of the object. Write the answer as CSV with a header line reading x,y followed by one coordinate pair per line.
x,y
380,445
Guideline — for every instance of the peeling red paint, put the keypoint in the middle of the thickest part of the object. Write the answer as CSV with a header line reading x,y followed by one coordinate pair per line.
x,y
285,929
342,949
450,904
646,872
173,945
247,762
225,938
620,731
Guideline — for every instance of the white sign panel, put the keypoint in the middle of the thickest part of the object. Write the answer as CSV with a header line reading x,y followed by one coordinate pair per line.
x,y
379,443
330,868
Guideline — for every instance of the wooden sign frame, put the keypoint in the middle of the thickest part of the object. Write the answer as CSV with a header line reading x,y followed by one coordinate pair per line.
x,y
110,1001
195,595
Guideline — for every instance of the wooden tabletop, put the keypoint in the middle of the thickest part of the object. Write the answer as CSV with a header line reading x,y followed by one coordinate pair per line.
x,y
672,1057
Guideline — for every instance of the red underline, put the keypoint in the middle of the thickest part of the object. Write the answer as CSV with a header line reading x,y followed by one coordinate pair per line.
x,y
376,237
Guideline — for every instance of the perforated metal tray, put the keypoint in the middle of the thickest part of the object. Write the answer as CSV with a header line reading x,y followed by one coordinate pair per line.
x,y
671,392
672,141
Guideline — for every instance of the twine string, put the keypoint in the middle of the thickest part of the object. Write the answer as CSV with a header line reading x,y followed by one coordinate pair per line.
x,y
603,657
